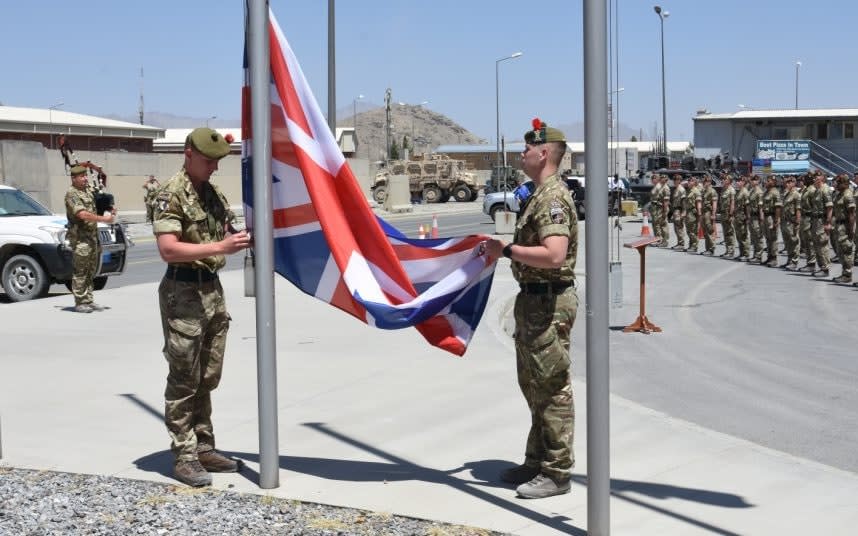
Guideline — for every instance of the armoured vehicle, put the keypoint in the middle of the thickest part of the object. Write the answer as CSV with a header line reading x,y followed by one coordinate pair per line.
x,y
434,178
512,176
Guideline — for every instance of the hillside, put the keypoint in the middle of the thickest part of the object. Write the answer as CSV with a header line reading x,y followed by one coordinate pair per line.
x,y
430,129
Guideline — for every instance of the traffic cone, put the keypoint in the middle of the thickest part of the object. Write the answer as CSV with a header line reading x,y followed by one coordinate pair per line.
x,y
700,235
421,233
645,230
434,226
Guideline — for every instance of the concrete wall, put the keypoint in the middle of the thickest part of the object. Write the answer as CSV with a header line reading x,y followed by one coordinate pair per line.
x,y
41,173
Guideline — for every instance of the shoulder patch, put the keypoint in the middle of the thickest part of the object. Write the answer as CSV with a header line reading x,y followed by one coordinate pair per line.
x,y
163,200
556,212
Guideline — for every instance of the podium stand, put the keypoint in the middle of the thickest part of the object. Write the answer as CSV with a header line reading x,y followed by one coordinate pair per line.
x,y
642,323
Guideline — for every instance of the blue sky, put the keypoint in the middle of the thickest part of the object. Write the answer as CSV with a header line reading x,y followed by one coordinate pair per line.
x,y
719,53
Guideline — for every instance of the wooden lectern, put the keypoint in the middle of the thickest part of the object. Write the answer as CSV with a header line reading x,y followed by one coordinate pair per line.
x,y
642,324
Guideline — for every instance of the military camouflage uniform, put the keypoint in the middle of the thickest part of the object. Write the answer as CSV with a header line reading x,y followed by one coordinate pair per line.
x,y
692,217
807,218
821,202
708,221
844,233
193,313
740,223
677,205
655,209
150,191
664,228
544,319
755,225
83,236
728,196
790,226
771,204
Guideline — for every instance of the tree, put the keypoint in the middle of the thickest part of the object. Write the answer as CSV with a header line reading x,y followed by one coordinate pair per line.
x,y
634,138
394,150
406,143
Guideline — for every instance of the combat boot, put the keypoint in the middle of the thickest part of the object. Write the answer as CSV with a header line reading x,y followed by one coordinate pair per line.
x,y
772,263
708,253
215,462
845,278
808,268
519,474
822,272
83,308
542,486
755,261
192,473
791,267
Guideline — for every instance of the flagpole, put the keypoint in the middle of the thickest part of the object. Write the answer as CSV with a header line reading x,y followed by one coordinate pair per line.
x,y
263,242
332,70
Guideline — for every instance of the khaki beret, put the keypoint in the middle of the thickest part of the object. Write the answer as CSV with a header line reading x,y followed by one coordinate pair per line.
x,y
542,133
77,170
208,142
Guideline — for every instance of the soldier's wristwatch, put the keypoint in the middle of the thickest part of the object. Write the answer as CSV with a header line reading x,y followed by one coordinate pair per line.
x,y
507,251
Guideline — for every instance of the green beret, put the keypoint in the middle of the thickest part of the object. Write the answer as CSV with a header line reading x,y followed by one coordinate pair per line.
x,y
542,133
208,142
77,170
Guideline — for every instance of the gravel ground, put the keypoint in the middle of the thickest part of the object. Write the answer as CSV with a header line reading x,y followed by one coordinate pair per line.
x,y
53,503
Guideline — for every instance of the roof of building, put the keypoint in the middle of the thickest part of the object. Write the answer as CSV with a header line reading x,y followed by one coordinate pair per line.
x,y
47,120
174,138
575,147
779,114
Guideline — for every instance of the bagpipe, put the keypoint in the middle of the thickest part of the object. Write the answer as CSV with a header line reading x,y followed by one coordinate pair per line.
x,y
104,201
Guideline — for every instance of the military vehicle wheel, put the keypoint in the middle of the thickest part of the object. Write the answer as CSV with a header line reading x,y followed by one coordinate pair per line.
x,y
379,193
431,194
494,211
474,195
462,193
24,279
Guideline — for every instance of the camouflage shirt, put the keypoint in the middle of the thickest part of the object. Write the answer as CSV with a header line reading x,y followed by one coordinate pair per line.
x,y
694,195
198,218
755,202
77,200
807,195
728,196
771,200
709,196
843,201
678,199
742,201
549,211
821,201
792,204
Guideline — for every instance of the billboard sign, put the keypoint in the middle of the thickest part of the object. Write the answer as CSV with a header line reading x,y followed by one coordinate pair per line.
x,y
786,156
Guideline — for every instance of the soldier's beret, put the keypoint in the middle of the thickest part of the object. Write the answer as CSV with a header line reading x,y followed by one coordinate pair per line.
x,y
77,170
542,133
208,142
841,178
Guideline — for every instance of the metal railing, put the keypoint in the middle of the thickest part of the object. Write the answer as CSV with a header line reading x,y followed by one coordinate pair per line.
x,y
828,161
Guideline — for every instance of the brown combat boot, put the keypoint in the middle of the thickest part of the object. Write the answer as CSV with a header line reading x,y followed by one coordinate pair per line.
x,y
519,474
215,462
192,474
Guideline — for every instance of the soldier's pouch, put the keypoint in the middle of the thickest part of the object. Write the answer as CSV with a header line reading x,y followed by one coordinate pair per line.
x,y
183,337
549,355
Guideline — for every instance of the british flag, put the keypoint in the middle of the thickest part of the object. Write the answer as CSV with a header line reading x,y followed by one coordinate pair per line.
x,y
329,243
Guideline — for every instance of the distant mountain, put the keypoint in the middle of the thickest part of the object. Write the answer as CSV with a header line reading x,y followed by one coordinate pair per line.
x,y
429,129
575,132
165,120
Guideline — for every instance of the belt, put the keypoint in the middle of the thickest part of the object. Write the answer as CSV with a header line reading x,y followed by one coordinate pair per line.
x,y
768,213
548,287
190,275
842,222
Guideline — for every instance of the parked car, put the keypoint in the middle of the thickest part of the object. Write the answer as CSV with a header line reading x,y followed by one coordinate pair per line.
x,y
34,252
494,202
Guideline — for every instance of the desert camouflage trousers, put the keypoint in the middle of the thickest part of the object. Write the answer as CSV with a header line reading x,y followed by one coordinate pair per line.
x,y
755,229
655,216
740,225
679,228
820,243
195,322
542,338
729,232
771,233
806,237
844,246
85,263
708,224
790,233
692,226
663,228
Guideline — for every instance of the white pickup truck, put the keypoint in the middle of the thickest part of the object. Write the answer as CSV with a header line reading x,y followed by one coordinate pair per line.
x,y
34,252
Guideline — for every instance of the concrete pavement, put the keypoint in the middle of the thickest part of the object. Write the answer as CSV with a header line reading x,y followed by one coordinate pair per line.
x,y
380,420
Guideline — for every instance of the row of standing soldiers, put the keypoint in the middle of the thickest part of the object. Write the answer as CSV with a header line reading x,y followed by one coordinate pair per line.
x,y
808,213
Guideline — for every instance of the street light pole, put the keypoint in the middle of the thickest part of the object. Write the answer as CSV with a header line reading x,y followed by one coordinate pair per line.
x,y
497,109
661,16
212,118
797,65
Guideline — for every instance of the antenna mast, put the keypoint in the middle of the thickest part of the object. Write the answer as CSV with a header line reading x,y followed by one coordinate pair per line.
x,y
140,108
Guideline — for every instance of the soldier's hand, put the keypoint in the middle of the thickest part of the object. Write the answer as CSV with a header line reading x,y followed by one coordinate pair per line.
x,y
234,242
109,218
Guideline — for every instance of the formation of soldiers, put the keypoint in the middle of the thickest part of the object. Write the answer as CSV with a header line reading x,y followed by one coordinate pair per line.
x,y
809,214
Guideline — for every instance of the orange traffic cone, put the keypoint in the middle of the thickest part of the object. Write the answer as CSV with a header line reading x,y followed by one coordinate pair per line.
x,y
421,233
434,226
645,230
700,234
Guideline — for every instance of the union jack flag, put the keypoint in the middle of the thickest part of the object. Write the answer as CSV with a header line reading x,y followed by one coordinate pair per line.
x,y
329,243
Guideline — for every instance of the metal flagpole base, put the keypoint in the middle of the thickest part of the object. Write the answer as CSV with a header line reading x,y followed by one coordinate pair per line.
x,y
643,325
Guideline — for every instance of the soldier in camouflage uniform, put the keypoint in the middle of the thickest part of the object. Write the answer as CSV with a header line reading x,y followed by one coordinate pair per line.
x,y
727,204
543,254
791,223
821,227
655,207
150,188
807,195
83,236
844,227
677,205
740,222
772,206
710,207
665,211
194,233
693,204
755,219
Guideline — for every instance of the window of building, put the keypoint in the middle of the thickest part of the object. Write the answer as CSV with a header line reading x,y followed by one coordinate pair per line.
x,y
849,130
779,133
822,131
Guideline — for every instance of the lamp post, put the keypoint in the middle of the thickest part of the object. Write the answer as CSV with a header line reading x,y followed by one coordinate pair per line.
x,y
497,109
661,16
797,65
212,118
611,119
51,121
